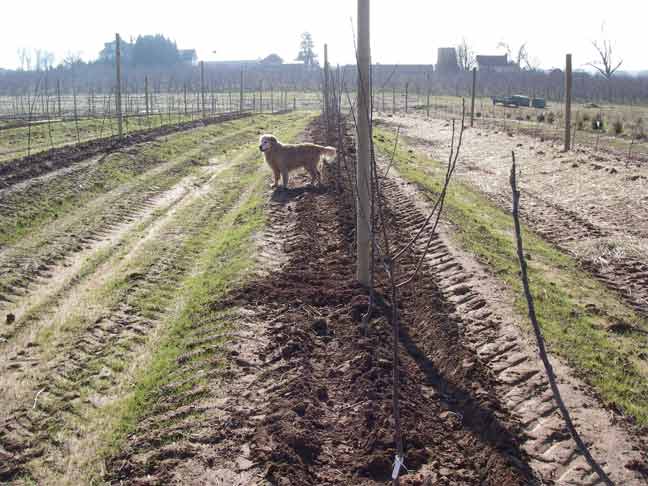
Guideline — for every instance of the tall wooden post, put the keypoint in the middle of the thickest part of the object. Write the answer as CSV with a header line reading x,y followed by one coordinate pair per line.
x,y
261,97
58,95
363,223
202,88
394,100
185,98
568,99
472,101
406,95
118,103
241,93
326,93
427,99
146,97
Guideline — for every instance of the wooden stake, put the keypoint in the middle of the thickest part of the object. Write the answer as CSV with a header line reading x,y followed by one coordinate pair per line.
x,y
118,104
58,94
406,95
394,100
202,87
326,93
472,101
241,93
363,222
568,100
146,97
427,101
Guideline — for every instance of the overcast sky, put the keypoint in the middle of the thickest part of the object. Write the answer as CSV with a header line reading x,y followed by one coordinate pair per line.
x,y
406,31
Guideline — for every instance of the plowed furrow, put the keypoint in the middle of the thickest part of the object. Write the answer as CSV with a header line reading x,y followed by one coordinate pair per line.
x,y
521,382
197,425
86,370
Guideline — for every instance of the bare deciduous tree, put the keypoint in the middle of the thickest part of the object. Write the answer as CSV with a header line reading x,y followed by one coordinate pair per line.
x,y
72,59
465,56
606,65
521,57
22,57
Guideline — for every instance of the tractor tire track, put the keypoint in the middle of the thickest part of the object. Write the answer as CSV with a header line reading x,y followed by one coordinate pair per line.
x,y
522,386
567,228
205,431
87,362
294,394
625,275
31,265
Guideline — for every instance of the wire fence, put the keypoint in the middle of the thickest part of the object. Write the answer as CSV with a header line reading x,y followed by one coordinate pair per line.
x,y
45,116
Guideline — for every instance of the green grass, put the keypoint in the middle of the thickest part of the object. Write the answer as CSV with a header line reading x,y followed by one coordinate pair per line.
x,y
223,256
44,136
216,253
564,294
186,150
225,263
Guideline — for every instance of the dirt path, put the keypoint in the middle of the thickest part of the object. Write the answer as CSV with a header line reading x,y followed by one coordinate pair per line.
x,y
84,326
591,205
296,395
276,383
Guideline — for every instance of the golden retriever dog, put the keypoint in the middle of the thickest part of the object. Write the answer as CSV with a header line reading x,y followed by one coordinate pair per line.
x,y
284,158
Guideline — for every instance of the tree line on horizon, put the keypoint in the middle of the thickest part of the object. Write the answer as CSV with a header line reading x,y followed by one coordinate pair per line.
x,y
145,50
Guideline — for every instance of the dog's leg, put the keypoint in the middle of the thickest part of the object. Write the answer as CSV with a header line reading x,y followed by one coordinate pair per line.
x,y
313,173
275,172
284,178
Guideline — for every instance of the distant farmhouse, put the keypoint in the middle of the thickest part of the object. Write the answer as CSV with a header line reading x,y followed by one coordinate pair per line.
x,y
496,64
188,55
447,60
271,61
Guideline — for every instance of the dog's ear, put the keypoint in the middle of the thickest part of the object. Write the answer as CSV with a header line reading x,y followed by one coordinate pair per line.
x,y
273,139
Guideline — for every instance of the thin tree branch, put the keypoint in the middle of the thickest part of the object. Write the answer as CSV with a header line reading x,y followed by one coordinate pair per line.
x,y
538,334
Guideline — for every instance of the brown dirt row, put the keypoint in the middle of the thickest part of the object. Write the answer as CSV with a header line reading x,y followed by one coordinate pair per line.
x,y
15,171
297,395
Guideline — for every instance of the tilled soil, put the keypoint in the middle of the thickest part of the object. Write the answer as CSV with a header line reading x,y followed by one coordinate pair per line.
x,y
17,170
489,325
88,304
305,398
591,205
92,359
281,386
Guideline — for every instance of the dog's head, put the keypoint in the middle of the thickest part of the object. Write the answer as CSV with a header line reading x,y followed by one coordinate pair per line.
x,y
267,142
